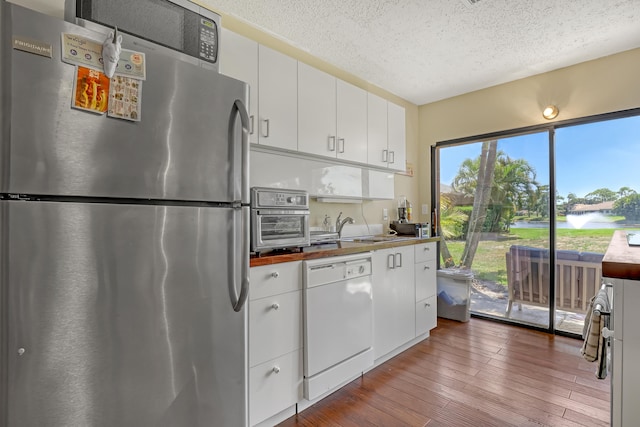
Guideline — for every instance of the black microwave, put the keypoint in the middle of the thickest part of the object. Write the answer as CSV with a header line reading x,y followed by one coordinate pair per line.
x,y
177,24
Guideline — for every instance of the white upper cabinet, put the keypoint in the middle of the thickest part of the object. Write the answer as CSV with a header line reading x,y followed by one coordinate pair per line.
x,y
316,111
397,137
297,107
277,99
239,59
386,134
352,122
377,152
332,116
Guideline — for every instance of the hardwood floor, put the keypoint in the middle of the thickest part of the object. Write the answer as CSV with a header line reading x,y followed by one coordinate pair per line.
x,y
479,373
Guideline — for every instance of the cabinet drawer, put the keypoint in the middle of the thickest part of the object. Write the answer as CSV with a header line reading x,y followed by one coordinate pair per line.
x,y
274,386
425,251
275,279
275,326
426,315
425,279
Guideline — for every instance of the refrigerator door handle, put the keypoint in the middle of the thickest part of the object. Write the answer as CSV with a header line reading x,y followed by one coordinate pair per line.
x,y
244,277
240,109
239,301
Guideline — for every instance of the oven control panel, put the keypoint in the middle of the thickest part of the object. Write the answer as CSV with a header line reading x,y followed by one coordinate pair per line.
x,y
275,198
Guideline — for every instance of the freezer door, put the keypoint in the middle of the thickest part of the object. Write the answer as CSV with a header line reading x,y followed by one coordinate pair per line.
x,y
186,146
121,315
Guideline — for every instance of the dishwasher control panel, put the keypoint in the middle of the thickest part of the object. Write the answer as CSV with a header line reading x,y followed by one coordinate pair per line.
x,y
357,269
329,270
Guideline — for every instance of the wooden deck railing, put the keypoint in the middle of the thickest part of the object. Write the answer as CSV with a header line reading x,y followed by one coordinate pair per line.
x,y
578,277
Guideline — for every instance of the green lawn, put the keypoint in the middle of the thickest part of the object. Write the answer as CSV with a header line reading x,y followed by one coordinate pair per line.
x,y
490,261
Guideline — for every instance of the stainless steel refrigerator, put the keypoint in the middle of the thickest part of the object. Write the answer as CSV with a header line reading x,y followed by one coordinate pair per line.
x,y
123,245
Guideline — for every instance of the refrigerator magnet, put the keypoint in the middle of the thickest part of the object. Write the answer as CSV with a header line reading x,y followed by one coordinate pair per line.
x,y
90,90
125,98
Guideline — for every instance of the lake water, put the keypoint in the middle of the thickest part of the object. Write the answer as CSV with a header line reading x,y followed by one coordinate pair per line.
x,y
586,221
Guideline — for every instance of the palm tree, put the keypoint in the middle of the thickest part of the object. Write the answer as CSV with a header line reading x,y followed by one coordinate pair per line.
x,y
450,226
513,187
499,185
480,201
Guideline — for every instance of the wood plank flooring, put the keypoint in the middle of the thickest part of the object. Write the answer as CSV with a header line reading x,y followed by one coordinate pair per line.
x,y
479,373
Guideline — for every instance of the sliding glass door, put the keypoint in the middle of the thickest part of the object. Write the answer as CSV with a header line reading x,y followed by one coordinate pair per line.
x,y
529,216
494,207
598,177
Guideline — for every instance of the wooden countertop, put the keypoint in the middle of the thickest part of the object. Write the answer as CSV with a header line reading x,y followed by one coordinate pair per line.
x,y
621,261
332,249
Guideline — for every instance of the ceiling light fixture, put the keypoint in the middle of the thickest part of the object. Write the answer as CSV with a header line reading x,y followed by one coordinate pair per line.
x,y
550,112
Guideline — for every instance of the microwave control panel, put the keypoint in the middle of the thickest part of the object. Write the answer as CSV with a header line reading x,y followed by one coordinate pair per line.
x,y
208,43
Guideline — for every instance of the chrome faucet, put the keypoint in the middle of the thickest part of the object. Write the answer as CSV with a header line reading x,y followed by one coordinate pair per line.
x,y
340,224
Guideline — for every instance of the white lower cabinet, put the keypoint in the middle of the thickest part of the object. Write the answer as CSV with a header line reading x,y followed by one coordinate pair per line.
x,y
275,385
393,284
404,310
426,287
275,339
276,326
426,315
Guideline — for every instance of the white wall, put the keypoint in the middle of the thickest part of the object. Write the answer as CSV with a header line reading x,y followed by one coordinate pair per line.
x,y
595,87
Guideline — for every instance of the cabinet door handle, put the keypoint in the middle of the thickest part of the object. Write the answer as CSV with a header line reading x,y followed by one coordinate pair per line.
x,y
385,156
275,274
426,304
332,143
340,144
426,248
276,369
266,126
391,261
399,256
392,156
251,125
275,306
426,267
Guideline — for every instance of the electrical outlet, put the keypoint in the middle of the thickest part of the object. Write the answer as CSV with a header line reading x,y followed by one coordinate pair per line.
x,y
385,214
425,209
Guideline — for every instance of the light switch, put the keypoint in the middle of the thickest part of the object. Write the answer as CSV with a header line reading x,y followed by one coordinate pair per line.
x,y
385,214
425,209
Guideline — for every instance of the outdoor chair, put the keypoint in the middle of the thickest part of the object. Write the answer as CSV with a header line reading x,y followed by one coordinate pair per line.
x,y
578,275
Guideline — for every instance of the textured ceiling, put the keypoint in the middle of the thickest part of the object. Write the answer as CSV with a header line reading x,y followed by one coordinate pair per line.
x,y
427,50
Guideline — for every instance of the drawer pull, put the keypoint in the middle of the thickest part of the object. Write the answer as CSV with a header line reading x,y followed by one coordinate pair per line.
x,y
426,304
276,369
426,248
275,274
426,267
275,306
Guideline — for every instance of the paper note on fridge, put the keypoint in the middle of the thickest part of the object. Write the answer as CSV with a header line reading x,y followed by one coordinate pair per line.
x,y
79,50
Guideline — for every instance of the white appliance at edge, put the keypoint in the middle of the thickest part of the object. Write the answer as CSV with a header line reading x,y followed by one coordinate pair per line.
x,y
124,245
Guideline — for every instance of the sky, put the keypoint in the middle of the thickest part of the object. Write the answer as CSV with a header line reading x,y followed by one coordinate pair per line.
x,y
588,157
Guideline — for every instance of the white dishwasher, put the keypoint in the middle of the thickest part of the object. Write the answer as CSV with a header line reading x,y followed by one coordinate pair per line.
x,y
338,321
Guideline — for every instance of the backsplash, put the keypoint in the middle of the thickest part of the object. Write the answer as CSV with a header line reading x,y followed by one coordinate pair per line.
x,y
321,179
